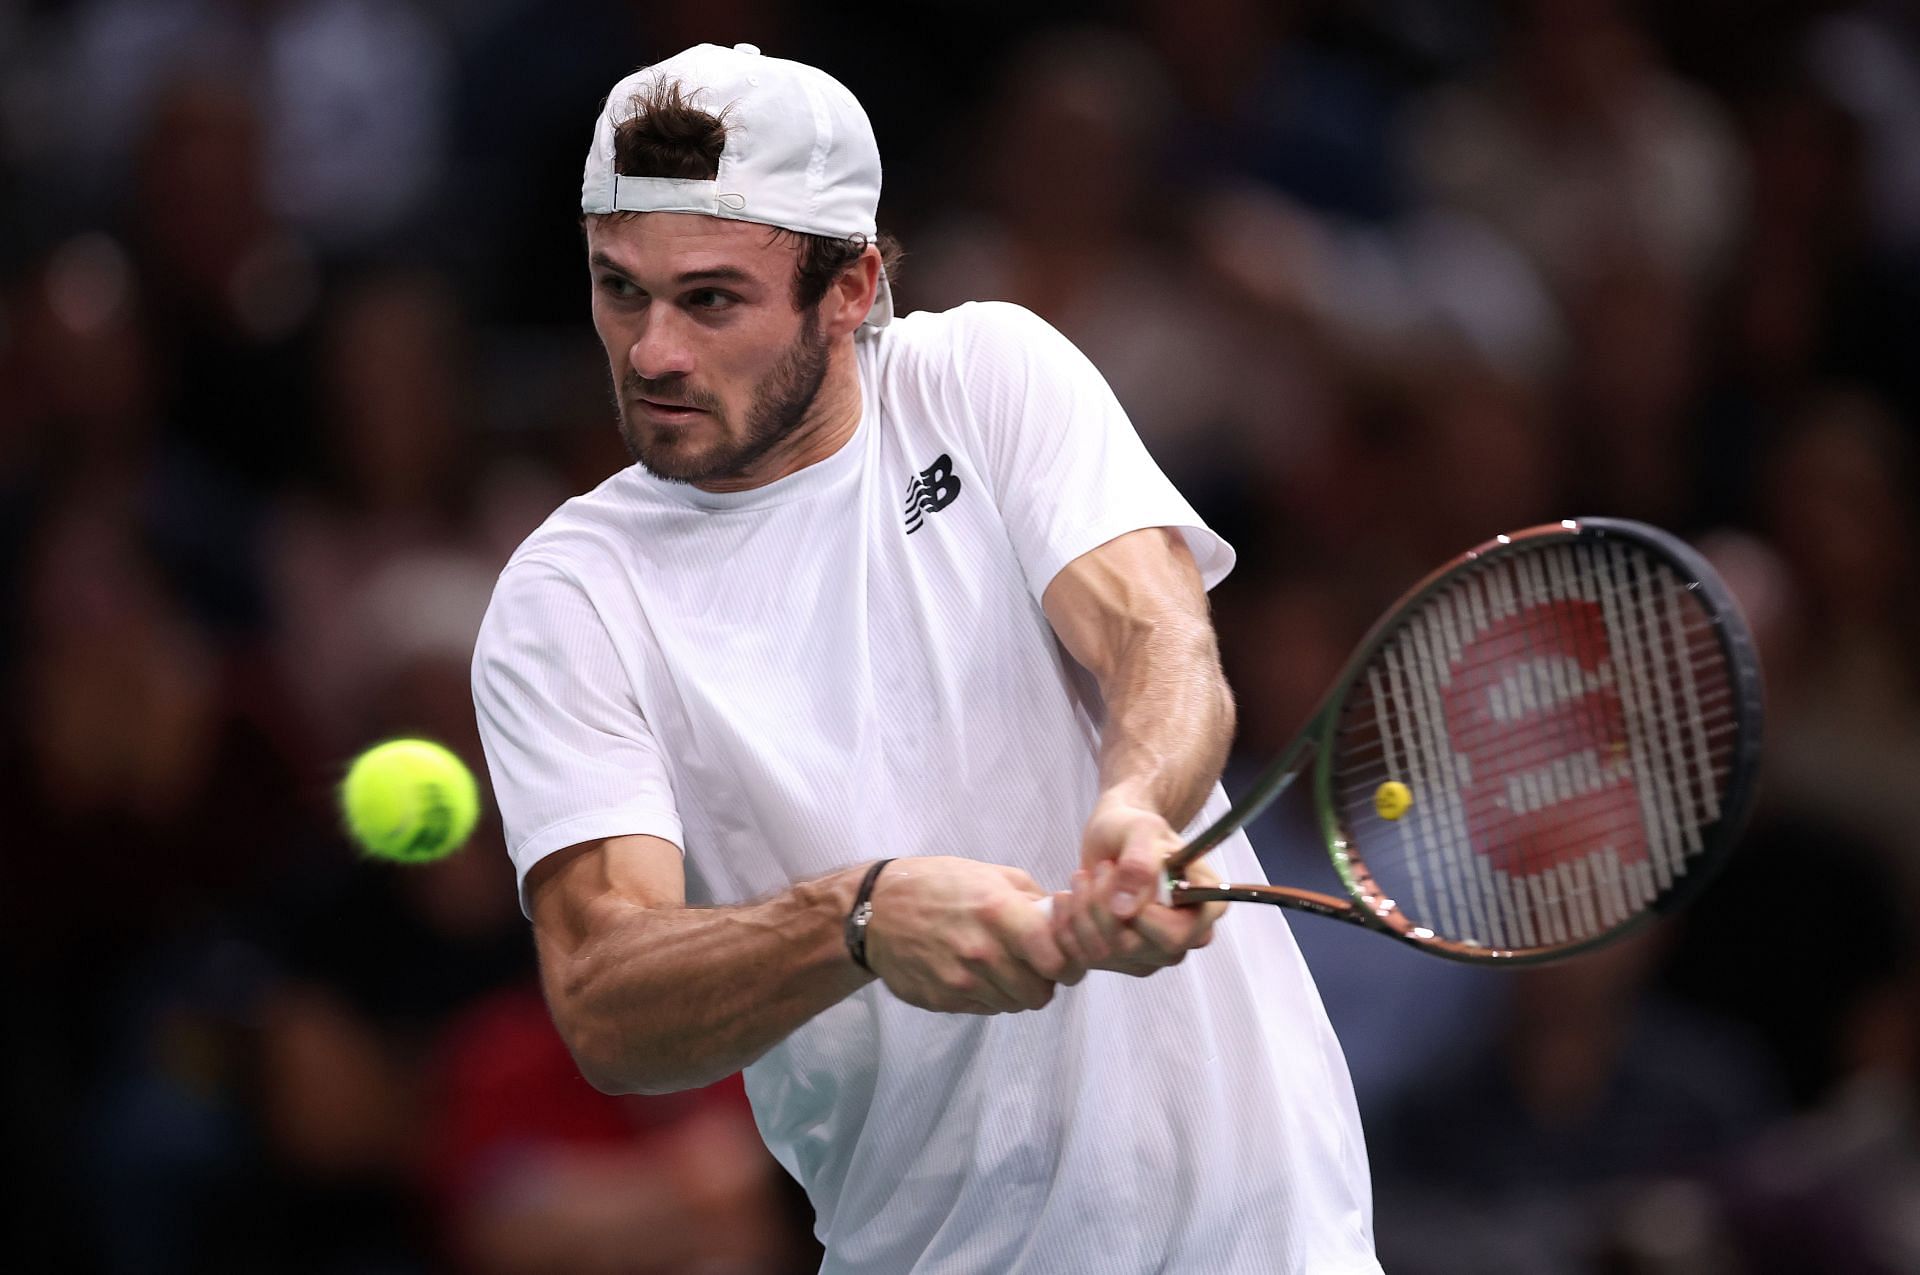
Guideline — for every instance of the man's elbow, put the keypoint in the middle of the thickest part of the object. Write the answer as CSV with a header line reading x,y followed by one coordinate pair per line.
x,y
600,1049
604,1063
599,1065
609,1061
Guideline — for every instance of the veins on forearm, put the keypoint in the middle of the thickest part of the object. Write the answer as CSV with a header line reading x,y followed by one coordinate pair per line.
x,y
670,998
1170,720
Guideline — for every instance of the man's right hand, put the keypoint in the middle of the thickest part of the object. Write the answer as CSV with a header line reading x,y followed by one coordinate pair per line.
x,y
964,937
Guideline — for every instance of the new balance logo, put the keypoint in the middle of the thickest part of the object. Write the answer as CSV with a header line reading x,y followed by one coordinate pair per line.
x,y
931,490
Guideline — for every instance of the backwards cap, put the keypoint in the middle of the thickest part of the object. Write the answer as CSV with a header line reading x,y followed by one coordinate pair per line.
x,y
799,153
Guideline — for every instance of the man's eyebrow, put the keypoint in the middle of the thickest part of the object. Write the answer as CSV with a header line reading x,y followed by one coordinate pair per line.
x,y
715,274
718,274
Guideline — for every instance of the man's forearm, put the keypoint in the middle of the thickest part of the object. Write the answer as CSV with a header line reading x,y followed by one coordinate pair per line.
x,y
657,999
1170,720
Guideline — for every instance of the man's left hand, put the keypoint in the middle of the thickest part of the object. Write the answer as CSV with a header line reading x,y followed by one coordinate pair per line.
x,y
1110,919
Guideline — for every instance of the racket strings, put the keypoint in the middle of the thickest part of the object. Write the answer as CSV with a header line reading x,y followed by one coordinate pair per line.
x,y
1629,736
1572,773
1495,740
1640,738
1566,722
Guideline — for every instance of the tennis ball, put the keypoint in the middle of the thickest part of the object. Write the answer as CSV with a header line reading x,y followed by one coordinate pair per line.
x,y
409,800
1392,799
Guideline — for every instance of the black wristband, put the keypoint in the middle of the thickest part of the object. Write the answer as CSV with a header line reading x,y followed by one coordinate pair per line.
x,y
862,913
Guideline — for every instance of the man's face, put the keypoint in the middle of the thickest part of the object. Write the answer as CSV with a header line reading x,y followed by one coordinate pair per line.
x,y
712,366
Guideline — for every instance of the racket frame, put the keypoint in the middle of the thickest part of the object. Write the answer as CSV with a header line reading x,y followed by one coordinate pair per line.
x,y
1367,904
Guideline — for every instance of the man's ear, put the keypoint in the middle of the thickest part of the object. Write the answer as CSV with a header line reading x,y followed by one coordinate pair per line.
x,y
850,296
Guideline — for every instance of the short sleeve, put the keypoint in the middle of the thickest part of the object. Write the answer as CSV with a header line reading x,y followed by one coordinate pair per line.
x,y
571,757
1068,470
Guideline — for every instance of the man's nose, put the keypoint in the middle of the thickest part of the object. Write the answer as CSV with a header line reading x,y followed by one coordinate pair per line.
x,y
661,350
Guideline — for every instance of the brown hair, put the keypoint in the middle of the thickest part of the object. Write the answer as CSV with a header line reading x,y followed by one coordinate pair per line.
x,y
665,136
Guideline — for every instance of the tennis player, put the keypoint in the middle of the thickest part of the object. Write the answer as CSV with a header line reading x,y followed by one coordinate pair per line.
x,y
893,621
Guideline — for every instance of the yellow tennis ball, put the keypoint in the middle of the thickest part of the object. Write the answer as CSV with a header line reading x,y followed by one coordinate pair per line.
x,y
1392,799
409,800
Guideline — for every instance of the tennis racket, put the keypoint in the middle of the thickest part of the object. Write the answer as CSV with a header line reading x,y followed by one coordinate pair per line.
x,y
1543,743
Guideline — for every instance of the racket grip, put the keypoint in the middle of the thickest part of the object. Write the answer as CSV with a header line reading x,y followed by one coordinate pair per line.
x,y
1162,894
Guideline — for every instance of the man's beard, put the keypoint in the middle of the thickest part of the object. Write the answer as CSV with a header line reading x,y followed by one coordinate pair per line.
x,y
780,403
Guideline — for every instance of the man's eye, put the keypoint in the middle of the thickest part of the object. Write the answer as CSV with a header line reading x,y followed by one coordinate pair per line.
x,y
709,299
616,286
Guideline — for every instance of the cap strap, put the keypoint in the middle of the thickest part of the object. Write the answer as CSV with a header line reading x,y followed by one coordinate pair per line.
x,y
673,194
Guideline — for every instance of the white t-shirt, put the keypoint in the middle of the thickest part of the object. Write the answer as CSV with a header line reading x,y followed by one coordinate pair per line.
x,y
852,663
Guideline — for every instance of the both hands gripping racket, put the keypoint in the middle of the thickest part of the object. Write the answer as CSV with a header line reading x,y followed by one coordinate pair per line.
x,y
1542,744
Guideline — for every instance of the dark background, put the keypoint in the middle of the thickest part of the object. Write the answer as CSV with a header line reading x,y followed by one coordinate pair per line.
x,y
294,350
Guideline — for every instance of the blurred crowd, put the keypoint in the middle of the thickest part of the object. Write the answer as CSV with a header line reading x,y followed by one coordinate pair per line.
x,y
294,351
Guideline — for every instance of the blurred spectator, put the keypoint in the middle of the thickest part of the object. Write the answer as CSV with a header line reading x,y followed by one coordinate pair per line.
x,y
399,482
133,759
1627,189
1255,103
1448,453
87,403
1631,383
537,1171
147,810
81,377
229,289
351,94
1530,1153
1868,59
1583,149
1801,249
1834,997
1837,496
1067,225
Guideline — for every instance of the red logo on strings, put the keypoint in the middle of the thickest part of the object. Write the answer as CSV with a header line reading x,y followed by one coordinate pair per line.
x,y
1541,726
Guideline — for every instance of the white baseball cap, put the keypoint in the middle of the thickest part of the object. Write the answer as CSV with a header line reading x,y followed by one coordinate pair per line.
x,y
799,153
